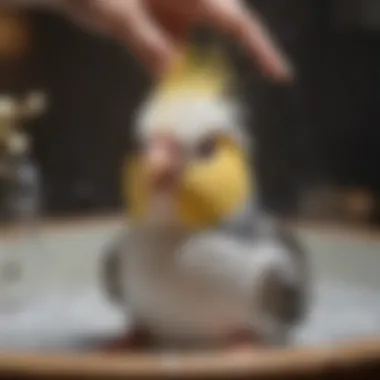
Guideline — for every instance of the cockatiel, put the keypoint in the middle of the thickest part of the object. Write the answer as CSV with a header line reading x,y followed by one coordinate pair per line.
x,y
200,265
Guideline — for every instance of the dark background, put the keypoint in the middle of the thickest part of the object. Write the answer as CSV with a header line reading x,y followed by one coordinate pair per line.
x,y
323,131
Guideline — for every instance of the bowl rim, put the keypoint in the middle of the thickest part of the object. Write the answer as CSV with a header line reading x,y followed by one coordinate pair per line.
x,y
54,224
258,363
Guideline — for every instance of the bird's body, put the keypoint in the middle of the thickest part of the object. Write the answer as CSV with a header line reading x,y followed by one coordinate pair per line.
x,y
207,288
181,294
200,263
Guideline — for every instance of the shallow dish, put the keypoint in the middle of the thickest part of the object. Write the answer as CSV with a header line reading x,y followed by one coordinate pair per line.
x,y
58,319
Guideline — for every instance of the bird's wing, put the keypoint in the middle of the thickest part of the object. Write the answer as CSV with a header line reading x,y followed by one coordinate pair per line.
x,y
112,268
295,295
285,294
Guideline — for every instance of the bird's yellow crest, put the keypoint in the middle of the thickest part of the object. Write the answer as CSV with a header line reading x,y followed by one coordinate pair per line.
x,y
196,72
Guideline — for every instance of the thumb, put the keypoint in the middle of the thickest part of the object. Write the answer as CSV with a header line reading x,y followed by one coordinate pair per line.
x,y
130,23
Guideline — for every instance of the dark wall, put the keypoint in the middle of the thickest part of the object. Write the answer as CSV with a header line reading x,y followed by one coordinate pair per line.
x,y
94,87
324,128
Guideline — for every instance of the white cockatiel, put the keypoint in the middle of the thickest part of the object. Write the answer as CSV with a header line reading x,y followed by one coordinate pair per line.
x,y
200,265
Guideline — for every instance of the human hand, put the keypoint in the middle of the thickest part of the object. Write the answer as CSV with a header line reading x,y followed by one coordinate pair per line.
x,y
154,28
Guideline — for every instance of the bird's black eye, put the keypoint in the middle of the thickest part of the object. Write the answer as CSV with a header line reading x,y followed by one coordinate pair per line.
x,y
206,148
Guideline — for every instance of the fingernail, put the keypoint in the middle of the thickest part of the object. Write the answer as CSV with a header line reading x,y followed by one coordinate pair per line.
x,y
288,74
281,72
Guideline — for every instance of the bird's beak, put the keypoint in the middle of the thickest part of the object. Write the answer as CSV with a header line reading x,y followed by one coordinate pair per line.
x,y
163,161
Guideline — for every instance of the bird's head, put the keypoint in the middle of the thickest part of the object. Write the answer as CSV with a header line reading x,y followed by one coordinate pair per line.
x,y
191,165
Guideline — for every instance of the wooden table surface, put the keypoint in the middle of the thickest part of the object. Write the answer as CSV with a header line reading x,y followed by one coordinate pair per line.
x,y
273,364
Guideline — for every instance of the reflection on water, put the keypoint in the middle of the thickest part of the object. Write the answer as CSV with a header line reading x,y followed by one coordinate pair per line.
x,y
341,312
22,269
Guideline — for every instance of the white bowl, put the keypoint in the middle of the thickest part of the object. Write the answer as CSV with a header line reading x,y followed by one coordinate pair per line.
x,y
72,315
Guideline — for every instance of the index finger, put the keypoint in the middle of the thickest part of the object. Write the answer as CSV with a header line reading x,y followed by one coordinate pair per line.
x,y
130,23
245,26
